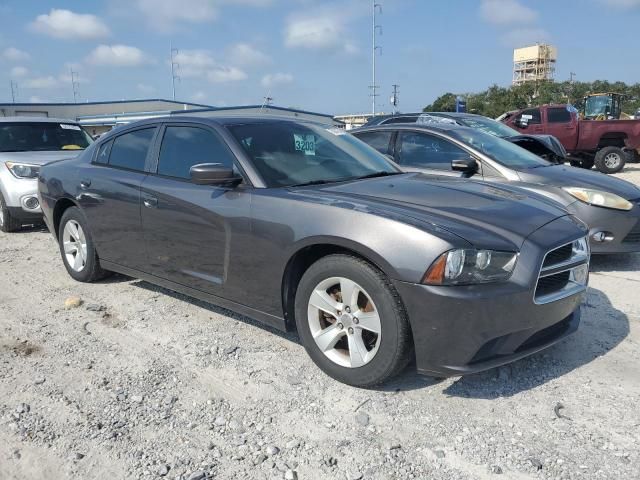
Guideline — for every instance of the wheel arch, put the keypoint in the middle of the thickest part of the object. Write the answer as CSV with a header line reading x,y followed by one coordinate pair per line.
x,y
307,254
613,139
60,207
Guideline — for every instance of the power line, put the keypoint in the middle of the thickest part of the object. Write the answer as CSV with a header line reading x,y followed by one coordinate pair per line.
x,y
376,29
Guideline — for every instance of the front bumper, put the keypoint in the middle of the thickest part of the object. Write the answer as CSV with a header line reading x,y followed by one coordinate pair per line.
x,y
17,193
622,226
459,330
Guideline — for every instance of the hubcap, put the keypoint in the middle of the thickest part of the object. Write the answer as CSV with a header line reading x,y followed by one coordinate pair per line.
x,y
612,160
75,245
344,322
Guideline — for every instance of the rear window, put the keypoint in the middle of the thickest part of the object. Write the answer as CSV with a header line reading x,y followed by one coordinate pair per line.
x,y
130,150
558,115
42,137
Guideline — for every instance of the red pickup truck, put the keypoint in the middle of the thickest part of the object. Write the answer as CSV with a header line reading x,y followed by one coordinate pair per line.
x,y
605,143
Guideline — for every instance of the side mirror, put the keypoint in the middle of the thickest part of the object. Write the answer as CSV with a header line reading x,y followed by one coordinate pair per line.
x,y
213,174
523,123
465,165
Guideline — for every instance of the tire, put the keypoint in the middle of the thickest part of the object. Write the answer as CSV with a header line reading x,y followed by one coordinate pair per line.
x,y
74,225
610,159
7,222
385,354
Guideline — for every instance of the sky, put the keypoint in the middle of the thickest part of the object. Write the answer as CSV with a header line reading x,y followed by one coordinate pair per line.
x,y
312,55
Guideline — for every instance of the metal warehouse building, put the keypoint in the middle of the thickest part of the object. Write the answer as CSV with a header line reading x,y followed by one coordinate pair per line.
x,y
99,117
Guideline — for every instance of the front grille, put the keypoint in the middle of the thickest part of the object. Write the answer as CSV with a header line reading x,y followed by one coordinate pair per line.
x,y
558,255
562,271
634,235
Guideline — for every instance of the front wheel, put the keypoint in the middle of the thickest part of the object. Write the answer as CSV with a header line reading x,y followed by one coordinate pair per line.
x,y
610,159
352,322
77,248
7,222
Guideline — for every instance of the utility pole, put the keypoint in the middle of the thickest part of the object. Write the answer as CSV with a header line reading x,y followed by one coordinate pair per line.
x,y
75,85
175,66
571,75
14,91
394,98
374,47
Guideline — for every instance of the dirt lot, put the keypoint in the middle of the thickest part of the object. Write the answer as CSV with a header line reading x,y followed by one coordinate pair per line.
x,y
139,382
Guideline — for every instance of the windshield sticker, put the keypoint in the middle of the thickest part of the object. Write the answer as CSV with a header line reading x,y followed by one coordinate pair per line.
x,y
305,143
526,117
66,126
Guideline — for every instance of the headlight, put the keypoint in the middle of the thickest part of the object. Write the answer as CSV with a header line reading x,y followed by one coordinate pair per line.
x,y
23,170
599,198
468,266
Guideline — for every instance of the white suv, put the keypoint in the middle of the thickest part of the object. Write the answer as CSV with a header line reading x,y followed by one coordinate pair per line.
x,y
26,143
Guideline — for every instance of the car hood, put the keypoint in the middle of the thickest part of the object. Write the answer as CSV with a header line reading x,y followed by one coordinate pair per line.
x,y
564,176
477,211
38,158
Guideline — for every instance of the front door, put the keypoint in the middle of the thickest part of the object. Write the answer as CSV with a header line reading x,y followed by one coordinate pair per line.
x,y
561,125
190,230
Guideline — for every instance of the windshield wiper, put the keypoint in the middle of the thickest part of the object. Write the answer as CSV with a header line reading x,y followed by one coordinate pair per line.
x,y
13,150
316,182
377,174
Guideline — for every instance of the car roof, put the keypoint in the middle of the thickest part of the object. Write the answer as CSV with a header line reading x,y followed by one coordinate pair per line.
x,y
429,127
26,119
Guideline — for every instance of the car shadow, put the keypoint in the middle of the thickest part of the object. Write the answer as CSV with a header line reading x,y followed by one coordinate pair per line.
x,y
624,262
602,328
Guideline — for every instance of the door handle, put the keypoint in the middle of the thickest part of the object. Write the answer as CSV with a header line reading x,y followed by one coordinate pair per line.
x,y
85,184
150,202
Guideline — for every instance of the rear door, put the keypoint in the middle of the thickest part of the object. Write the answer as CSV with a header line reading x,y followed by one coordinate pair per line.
x,y
381,140
562,125
109,193
190,229
529,121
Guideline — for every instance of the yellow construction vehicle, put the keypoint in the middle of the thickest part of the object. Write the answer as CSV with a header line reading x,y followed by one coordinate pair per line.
x,y
603,106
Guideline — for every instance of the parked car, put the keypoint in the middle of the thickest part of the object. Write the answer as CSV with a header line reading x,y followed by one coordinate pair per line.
x,y
26,143
604,143
610,206
303,226
545,146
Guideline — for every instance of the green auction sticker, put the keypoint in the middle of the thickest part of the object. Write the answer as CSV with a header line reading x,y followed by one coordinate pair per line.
x,y
305,143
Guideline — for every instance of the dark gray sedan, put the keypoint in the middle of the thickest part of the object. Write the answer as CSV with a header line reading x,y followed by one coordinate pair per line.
x,y
610,206
307,228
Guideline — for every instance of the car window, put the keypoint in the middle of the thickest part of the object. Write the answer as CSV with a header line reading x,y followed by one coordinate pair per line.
x,y
530,116
184,147
287,153
130,150
42,136
103,152
378,140
400,120
428,151
558,115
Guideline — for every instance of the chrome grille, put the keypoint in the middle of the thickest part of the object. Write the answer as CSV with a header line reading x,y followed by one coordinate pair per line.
x,y
564,272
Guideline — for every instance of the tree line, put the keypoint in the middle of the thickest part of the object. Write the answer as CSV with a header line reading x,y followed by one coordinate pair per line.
x,y
496,100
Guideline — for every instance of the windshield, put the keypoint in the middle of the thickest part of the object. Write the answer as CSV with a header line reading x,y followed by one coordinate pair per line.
x,y
490,126
287,153
498,149
42,136
597,105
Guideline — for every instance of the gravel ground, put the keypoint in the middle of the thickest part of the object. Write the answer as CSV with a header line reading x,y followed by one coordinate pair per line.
x,y
132,381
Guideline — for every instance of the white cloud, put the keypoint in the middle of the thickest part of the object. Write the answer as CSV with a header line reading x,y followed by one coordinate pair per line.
x,y
506,12
146,89
19,72
222,74
247,55
194,63
59,23
14,54
274,79
42,82
165,15
35,99
325,28
525,36
198,97
117,56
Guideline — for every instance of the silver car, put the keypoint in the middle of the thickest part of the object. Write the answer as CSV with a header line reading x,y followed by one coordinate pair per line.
x,y
26,143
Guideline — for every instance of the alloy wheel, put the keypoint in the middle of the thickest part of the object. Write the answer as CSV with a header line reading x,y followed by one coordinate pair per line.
x,y
612,160
75,245
344,322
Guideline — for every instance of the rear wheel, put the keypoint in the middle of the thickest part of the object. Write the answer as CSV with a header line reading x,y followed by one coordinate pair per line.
x,y
7,222
351,321
77,248
610,159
